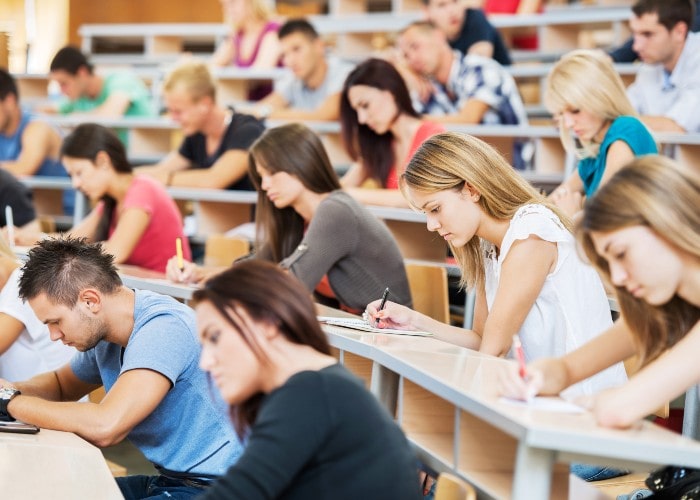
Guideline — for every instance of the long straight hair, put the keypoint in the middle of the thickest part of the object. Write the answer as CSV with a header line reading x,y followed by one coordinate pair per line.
x,y
658,193
269,295
450,160
376,152
586,80
85,142
295,149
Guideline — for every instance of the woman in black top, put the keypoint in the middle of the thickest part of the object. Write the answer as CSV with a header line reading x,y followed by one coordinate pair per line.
x,y
311,429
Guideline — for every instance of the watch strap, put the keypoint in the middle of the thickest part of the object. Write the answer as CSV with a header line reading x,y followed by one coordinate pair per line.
x,y
4,401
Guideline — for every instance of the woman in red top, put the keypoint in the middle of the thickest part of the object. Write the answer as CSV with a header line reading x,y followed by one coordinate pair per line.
x,y
381,131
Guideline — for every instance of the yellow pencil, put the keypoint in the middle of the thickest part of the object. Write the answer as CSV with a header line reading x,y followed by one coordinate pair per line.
x,y
178,249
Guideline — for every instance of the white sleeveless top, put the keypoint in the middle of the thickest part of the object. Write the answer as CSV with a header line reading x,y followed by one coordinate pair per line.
x,y
572,307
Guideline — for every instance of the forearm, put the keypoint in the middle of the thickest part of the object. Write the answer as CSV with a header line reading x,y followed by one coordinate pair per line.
x,y
378,197
84,419
662,124
447,333
45,385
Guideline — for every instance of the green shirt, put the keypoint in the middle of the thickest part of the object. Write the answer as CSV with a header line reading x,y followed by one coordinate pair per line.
x,y
139,105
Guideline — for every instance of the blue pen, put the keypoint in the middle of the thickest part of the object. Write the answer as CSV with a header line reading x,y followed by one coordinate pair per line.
x,y
382,304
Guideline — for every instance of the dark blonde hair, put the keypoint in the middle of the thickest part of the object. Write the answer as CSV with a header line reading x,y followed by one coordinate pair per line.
x,y
449,161
658,193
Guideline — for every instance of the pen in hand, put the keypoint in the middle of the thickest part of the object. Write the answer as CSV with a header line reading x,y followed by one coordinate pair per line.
x,y
522,370
382,304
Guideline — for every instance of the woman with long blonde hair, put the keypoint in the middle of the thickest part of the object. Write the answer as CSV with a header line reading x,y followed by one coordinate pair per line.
x,y
642,232
596,121
513,245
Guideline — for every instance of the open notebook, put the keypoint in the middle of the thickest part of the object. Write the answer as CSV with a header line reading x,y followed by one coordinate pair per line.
x,y
361,324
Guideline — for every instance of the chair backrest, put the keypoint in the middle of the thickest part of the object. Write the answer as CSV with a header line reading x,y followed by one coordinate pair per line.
x,y
428,284
220,250
451,487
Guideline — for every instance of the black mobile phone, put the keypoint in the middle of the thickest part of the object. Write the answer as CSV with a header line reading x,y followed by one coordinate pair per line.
x,y
18,427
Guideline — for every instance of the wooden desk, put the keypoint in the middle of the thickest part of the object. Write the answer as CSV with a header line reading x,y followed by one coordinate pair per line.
x,y
145,279
53,464
444,398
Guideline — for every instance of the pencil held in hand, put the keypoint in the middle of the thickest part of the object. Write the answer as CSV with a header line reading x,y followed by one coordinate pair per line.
x,y
178,250
518,346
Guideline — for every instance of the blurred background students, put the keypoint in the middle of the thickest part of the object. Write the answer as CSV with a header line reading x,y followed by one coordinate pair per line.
x,y
214,153
312,90
134,215
596,122
28,146
381,131
253,41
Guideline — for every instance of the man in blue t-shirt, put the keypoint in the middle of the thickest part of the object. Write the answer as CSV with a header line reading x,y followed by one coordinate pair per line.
x,y
143,348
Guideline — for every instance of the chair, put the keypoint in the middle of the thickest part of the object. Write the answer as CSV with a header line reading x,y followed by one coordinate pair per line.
x,y
451,487
428,284
220,250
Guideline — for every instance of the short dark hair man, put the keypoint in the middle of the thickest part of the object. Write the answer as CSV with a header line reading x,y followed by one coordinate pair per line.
x,y
117,94
143,347
666,91
28,146
312,90
467,30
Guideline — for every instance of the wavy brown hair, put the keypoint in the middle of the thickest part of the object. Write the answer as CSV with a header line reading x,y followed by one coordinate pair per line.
x,y
658,193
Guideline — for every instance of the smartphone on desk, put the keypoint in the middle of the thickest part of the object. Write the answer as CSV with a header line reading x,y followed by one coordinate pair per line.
x,y
18,427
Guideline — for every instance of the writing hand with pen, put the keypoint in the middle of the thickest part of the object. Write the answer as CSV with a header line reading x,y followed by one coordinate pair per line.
x,y
383,313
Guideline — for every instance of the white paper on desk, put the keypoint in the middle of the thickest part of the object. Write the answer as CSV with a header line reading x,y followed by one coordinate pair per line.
x,y
361,324
556,405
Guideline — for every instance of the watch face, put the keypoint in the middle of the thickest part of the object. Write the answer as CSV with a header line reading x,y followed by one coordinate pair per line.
x,y
7,393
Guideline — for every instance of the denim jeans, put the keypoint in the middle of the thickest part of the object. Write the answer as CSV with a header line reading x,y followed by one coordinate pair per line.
x,y
157,487
589,472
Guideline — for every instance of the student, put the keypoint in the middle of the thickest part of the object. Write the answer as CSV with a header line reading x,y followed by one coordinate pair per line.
x,y
214,153
596,122
666,91
519,38
142,347
117,94
467,30
28,146
311,227
513,246
25,346
467,88
312,90
381,131
253,42
641,232
134,216
312,430
625,52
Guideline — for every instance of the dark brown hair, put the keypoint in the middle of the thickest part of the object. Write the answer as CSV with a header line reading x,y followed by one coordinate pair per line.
x,y
669,12
268,295
85,142
295,149
375,151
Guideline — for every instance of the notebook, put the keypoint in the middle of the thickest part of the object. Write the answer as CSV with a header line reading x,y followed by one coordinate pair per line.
x,y
361,324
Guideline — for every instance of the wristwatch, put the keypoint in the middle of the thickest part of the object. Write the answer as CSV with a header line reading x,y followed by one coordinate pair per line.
x,y
6,395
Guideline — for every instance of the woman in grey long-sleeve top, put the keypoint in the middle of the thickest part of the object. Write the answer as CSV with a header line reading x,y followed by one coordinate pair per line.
x,y
334,245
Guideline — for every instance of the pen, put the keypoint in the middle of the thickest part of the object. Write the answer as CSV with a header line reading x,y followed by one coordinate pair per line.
x,y
178,250
521,357
10,224
382,304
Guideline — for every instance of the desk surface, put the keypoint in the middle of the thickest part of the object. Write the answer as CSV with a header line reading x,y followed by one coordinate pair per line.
x,y
448,405
53,464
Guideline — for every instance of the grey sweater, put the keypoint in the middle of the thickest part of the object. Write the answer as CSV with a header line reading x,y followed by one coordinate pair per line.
x,y
355,249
